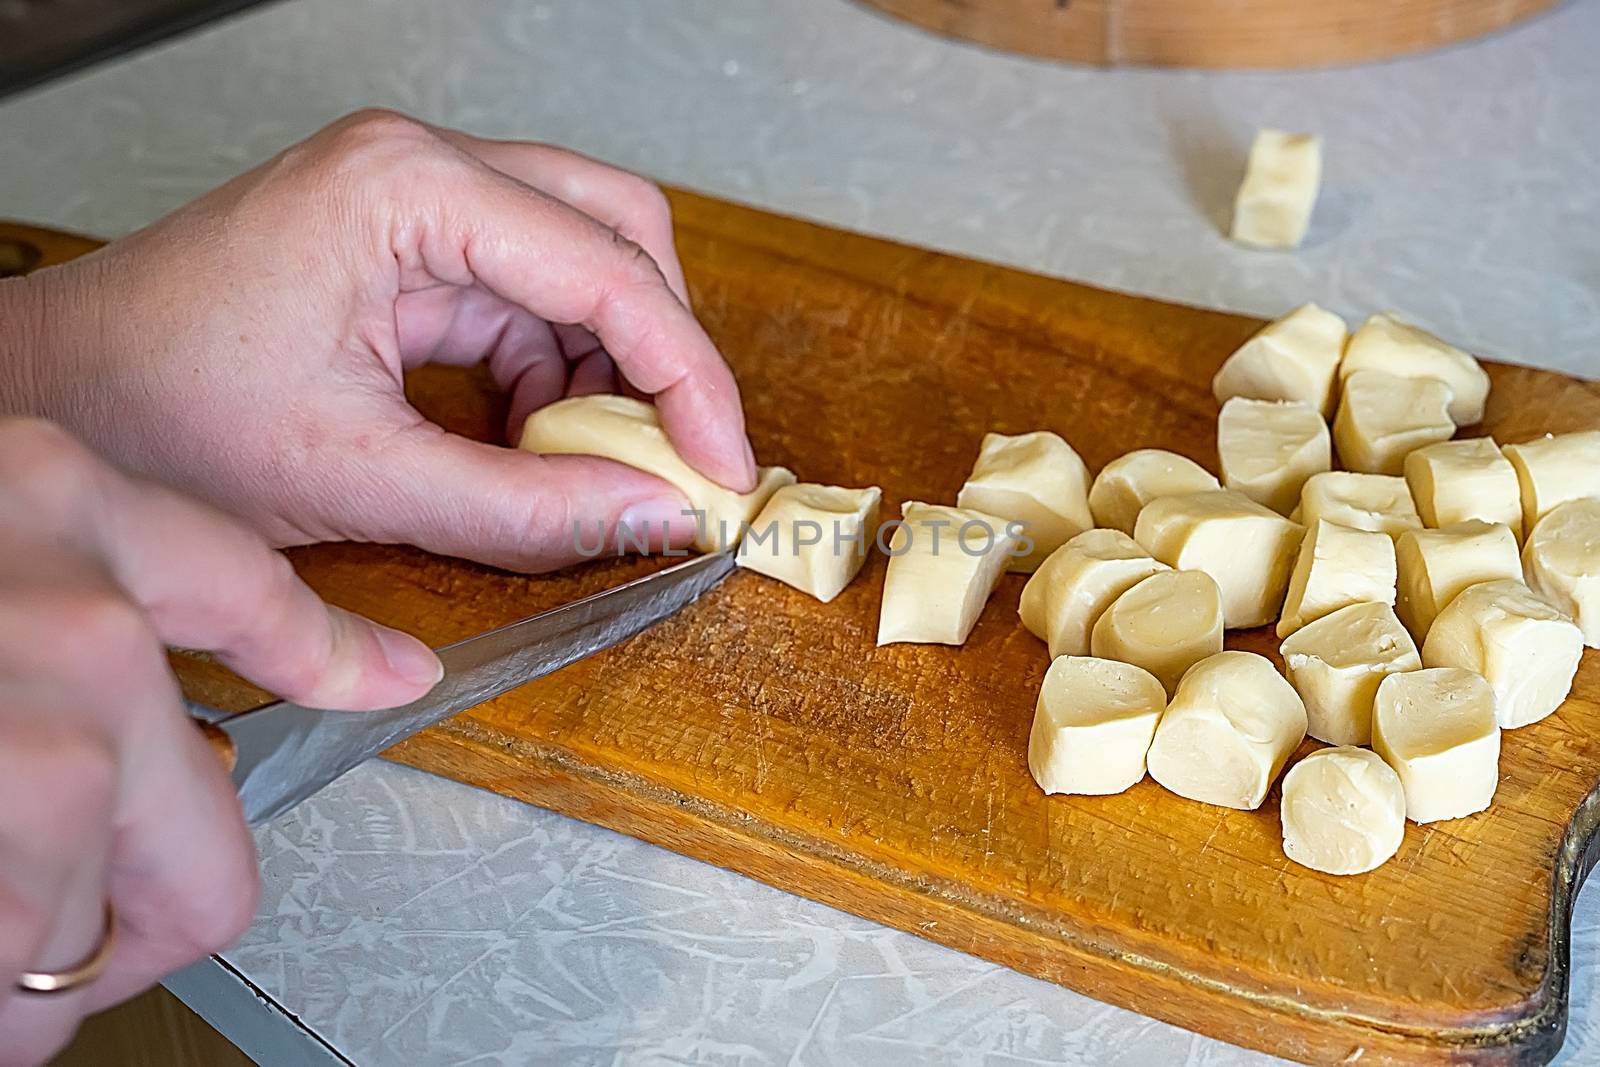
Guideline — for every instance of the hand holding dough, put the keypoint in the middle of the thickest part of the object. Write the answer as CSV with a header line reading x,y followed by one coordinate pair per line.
x,y
1436,728
813,537
1268,448
1344,811
1562,563
1093,726
1294,358
1126,484
629,431
1384,417
1036,479
1526,649
1336,663
1385,343
1074,587
1246,548
1230,728
943,564
1166,624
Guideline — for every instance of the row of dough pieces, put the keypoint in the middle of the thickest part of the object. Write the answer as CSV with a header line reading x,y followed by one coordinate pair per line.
x,y
1218,557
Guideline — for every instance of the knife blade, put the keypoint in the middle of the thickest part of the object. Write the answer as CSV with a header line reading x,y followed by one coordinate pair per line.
x,y
283,753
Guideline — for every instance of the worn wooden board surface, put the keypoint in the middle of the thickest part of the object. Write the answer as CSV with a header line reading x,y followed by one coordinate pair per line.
x,y
764,732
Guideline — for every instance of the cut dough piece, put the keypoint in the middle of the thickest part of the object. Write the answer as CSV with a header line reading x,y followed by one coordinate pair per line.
x,y
1435,565
1337,566
1454,481
1384,417
1436,728
1553,470
1093,725
1360,501
1166,624
1229,730
1125,485
1268,448
943,564
1388,344
1562,563
813,537
1344,811
1246,548
1336,663
1526,649
1273,207
1036,479
1295,358
1073,588
629,431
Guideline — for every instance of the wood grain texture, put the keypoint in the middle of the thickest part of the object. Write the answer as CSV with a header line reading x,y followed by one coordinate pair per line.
x,y
1213,33
764,732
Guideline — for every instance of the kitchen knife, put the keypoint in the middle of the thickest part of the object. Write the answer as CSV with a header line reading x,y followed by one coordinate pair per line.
x,y
282,753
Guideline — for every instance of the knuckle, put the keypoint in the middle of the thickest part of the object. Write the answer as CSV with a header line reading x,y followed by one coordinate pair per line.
x,y
647,199
42,466
220,916
370,143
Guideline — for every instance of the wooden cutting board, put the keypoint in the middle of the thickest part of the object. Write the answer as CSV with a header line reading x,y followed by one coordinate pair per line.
x,y
764,732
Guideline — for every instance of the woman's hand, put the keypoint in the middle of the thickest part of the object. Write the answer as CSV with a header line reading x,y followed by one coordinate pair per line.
x,y
249,349
107,791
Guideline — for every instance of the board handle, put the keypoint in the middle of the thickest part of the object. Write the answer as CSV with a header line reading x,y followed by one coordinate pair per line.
x,y
25,248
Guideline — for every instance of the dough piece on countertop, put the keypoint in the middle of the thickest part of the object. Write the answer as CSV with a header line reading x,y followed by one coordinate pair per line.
x,y
1273,206
1526,649
1126,484
1228,731
1336,663
1385,417
1360,501
1036,479
1434,565
1561,562
1246,548
813,537
629,431
1166,624
1294,358
1437,729
943,564
1454,481
1386,343
1072,589
1268,448
1337,566
1552,470
1093,725
1343,812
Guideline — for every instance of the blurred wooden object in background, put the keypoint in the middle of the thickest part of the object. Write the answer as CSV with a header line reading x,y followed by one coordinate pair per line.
x,y
154,1029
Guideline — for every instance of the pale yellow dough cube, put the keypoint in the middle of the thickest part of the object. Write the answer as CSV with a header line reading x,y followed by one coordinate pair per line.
x,y
1230,728
1360,501
1246,548
1294,358
1437,729
1343,811
1552,470
1336,663
1454,481
1166,624
1093,725
1388,344
1526,649
1126,484
1066,596
1337,566
943,564
1561,562
1433,566
1273,206
1383,418
1036,479
1268,448
629,431
813,537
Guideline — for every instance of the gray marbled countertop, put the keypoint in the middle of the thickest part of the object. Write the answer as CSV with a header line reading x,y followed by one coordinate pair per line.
x,y
407,919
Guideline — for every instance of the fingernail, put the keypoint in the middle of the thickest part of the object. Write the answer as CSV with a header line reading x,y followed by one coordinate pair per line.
x,y
408,657
750,462
657,522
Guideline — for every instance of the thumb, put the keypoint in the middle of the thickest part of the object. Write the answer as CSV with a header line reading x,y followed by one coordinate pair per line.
x,y
514,509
